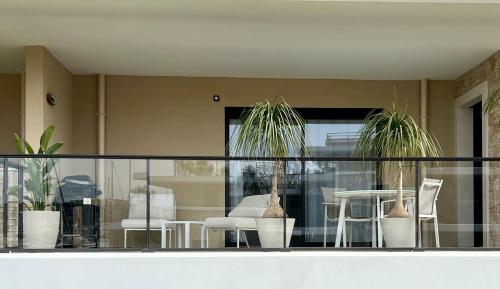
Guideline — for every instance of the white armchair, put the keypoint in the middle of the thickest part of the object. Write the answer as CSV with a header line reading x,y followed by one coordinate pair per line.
x,y
162,208
240,219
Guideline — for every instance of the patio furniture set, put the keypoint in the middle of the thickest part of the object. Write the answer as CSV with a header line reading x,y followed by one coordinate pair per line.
x,y
243,217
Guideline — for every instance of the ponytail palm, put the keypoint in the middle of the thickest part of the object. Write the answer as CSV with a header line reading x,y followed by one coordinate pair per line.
x,y
271,130
393,134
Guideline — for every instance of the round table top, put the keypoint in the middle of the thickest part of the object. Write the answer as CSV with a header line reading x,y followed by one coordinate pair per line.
x,y
184,222
366,194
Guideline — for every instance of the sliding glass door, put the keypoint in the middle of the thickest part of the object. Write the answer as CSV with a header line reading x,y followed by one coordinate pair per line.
x,y
334,138
328,133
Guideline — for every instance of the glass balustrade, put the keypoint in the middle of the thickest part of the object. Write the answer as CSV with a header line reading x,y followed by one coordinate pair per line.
x,y
233,203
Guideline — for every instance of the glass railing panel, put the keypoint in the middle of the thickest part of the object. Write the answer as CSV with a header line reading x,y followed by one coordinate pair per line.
x,y
441,227
99,201
248,181
359,195
77,199
490,175
36,193
4,203
466,206
10,208
185,193
123,203
326,185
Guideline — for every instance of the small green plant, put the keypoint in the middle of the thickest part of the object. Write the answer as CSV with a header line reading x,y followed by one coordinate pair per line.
x,y
393,134
271,130
39,183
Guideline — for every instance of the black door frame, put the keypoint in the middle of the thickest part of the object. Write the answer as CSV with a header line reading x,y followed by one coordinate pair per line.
x,y
308,114
477,150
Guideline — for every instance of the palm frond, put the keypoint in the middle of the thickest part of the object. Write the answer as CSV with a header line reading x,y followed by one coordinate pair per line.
x,y
491,102
269,130
394,134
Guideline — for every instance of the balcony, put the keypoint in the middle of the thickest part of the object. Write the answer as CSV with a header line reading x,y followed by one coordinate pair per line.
x,y
144,203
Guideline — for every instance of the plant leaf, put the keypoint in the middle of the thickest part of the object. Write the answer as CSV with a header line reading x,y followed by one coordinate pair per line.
x,y
53,148
395,135
19,144
269,130
28,147
45,138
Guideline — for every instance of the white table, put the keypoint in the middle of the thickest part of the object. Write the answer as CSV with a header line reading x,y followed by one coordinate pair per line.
x,y
179,225
363,195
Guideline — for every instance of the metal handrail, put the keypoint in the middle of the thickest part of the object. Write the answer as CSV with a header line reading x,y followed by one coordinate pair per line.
x,y
249,158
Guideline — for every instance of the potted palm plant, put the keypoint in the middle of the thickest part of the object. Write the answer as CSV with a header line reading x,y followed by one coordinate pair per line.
x,y
271,130
393,134
40,221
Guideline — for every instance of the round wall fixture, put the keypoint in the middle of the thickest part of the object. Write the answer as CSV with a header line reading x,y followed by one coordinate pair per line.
x,y
51,99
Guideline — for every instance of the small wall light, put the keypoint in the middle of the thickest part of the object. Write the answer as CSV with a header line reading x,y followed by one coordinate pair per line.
x,y
216,98
51,99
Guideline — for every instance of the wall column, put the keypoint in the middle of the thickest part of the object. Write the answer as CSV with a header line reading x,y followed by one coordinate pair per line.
x,y
34,94
45,74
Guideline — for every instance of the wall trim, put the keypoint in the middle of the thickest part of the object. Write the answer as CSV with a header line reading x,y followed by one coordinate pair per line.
x,y
463,141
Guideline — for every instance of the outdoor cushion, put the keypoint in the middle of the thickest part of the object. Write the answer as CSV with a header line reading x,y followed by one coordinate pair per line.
x,y
230,223
251,206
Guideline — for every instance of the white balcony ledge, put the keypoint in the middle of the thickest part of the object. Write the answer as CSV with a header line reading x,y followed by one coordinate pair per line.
x,y
318,269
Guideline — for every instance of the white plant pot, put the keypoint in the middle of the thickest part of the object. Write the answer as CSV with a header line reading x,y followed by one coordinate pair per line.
x,y
40,229
398,232
271,231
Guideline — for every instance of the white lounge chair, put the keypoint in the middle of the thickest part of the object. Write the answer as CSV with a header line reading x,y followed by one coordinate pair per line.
x,y
240,219
162,208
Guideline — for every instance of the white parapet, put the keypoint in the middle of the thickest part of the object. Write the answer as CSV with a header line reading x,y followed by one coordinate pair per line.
x,y
314,269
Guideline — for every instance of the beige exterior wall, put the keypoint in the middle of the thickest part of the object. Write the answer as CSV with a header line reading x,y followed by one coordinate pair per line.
x,y
178,112
10,117
45,74
489,70
171,115
58,81
176,116
34,94
441,124
10,123
84,121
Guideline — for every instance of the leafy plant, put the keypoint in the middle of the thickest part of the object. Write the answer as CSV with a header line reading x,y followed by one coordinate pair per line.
x,y
393,134
271,130
491,102
39,183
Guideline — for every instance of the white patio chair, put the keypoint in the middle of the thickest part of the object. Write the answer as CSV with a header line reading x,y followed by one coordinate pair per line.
x,y
240,219
162,208
330,201
427,209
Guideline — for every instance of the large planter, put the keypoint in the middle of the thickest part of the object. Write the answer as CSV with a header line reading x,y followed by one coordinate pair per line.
x,y
398,232
270,231
40,229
